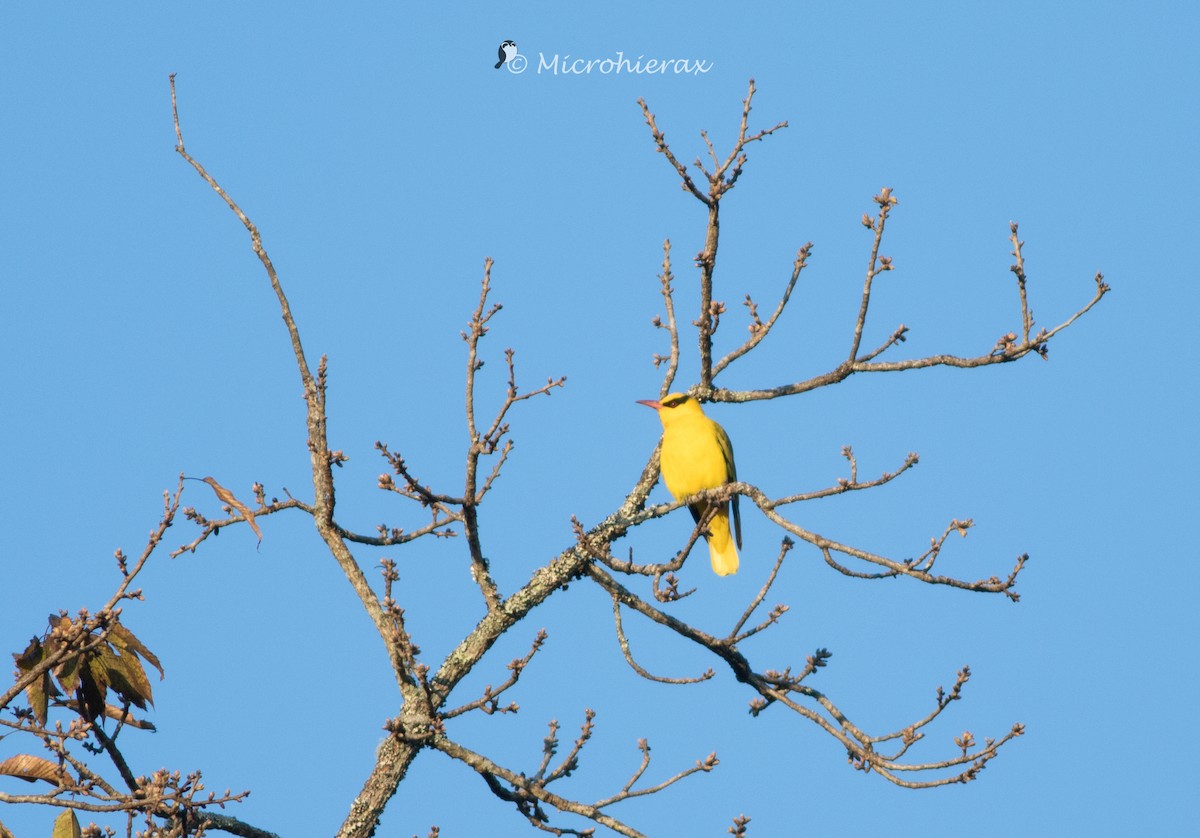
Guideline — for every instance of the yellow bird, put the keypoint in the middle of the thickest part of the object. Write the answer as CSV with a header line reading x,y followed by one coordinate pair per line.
x,y
697,455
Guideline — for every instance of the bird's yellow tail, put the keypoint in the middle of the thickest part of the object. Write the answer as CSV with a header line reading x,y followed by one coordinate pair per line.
x,y
721,548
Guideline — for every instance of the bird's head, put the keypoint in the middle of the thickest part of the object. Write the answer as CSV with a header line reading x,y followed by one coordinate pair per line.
x,y
674,406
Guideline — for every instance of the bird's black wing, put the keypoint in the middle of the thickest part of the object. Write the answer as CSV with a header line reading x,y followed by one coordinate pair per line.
x,y
731,477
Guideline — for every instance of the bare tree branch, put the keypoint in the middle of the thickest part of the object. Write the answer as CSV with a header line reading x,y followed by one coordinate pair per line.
x,y
1008,349
527,794
314,397
718,184
489,702
851,484
779,687
173,804
759,329
488,441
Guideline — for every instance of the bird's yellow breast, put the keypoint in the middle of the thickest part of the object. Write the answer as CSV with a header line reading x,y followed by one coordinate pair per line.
x,y
692,458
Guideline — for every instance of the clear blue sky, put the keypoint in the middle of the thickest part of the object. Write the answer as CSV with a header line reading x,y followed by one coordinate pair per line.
x,y
383,158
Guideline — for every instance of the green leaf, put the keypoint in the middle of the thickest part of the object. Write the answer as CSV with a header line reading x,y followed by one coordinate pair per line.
x,y
96,670
39,693
66,825
67,674
93,686
126,677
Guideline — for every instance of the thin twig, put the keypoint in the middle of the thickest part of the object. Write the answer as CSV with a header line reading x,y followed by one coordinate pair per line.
x,y
665,279
649,676
758,329
852,484
886,200
488,702
1018,268
488,441
527,788
734,637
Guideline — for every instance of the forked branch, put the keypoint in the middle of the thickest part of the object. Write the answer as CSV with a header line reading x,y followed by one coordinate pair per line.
x,y
721,179
483,443
787,689
530,793
1010,347
318,443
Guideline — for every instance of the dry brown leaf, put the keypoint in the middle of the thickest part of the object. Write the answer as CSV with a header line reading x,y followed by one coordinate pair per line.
x,y
226,496
31,769
129,719
117,713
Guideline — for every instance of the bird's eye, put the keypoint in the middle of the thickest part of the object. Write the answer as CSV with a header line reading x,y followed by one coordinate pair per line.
x,y
675,402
